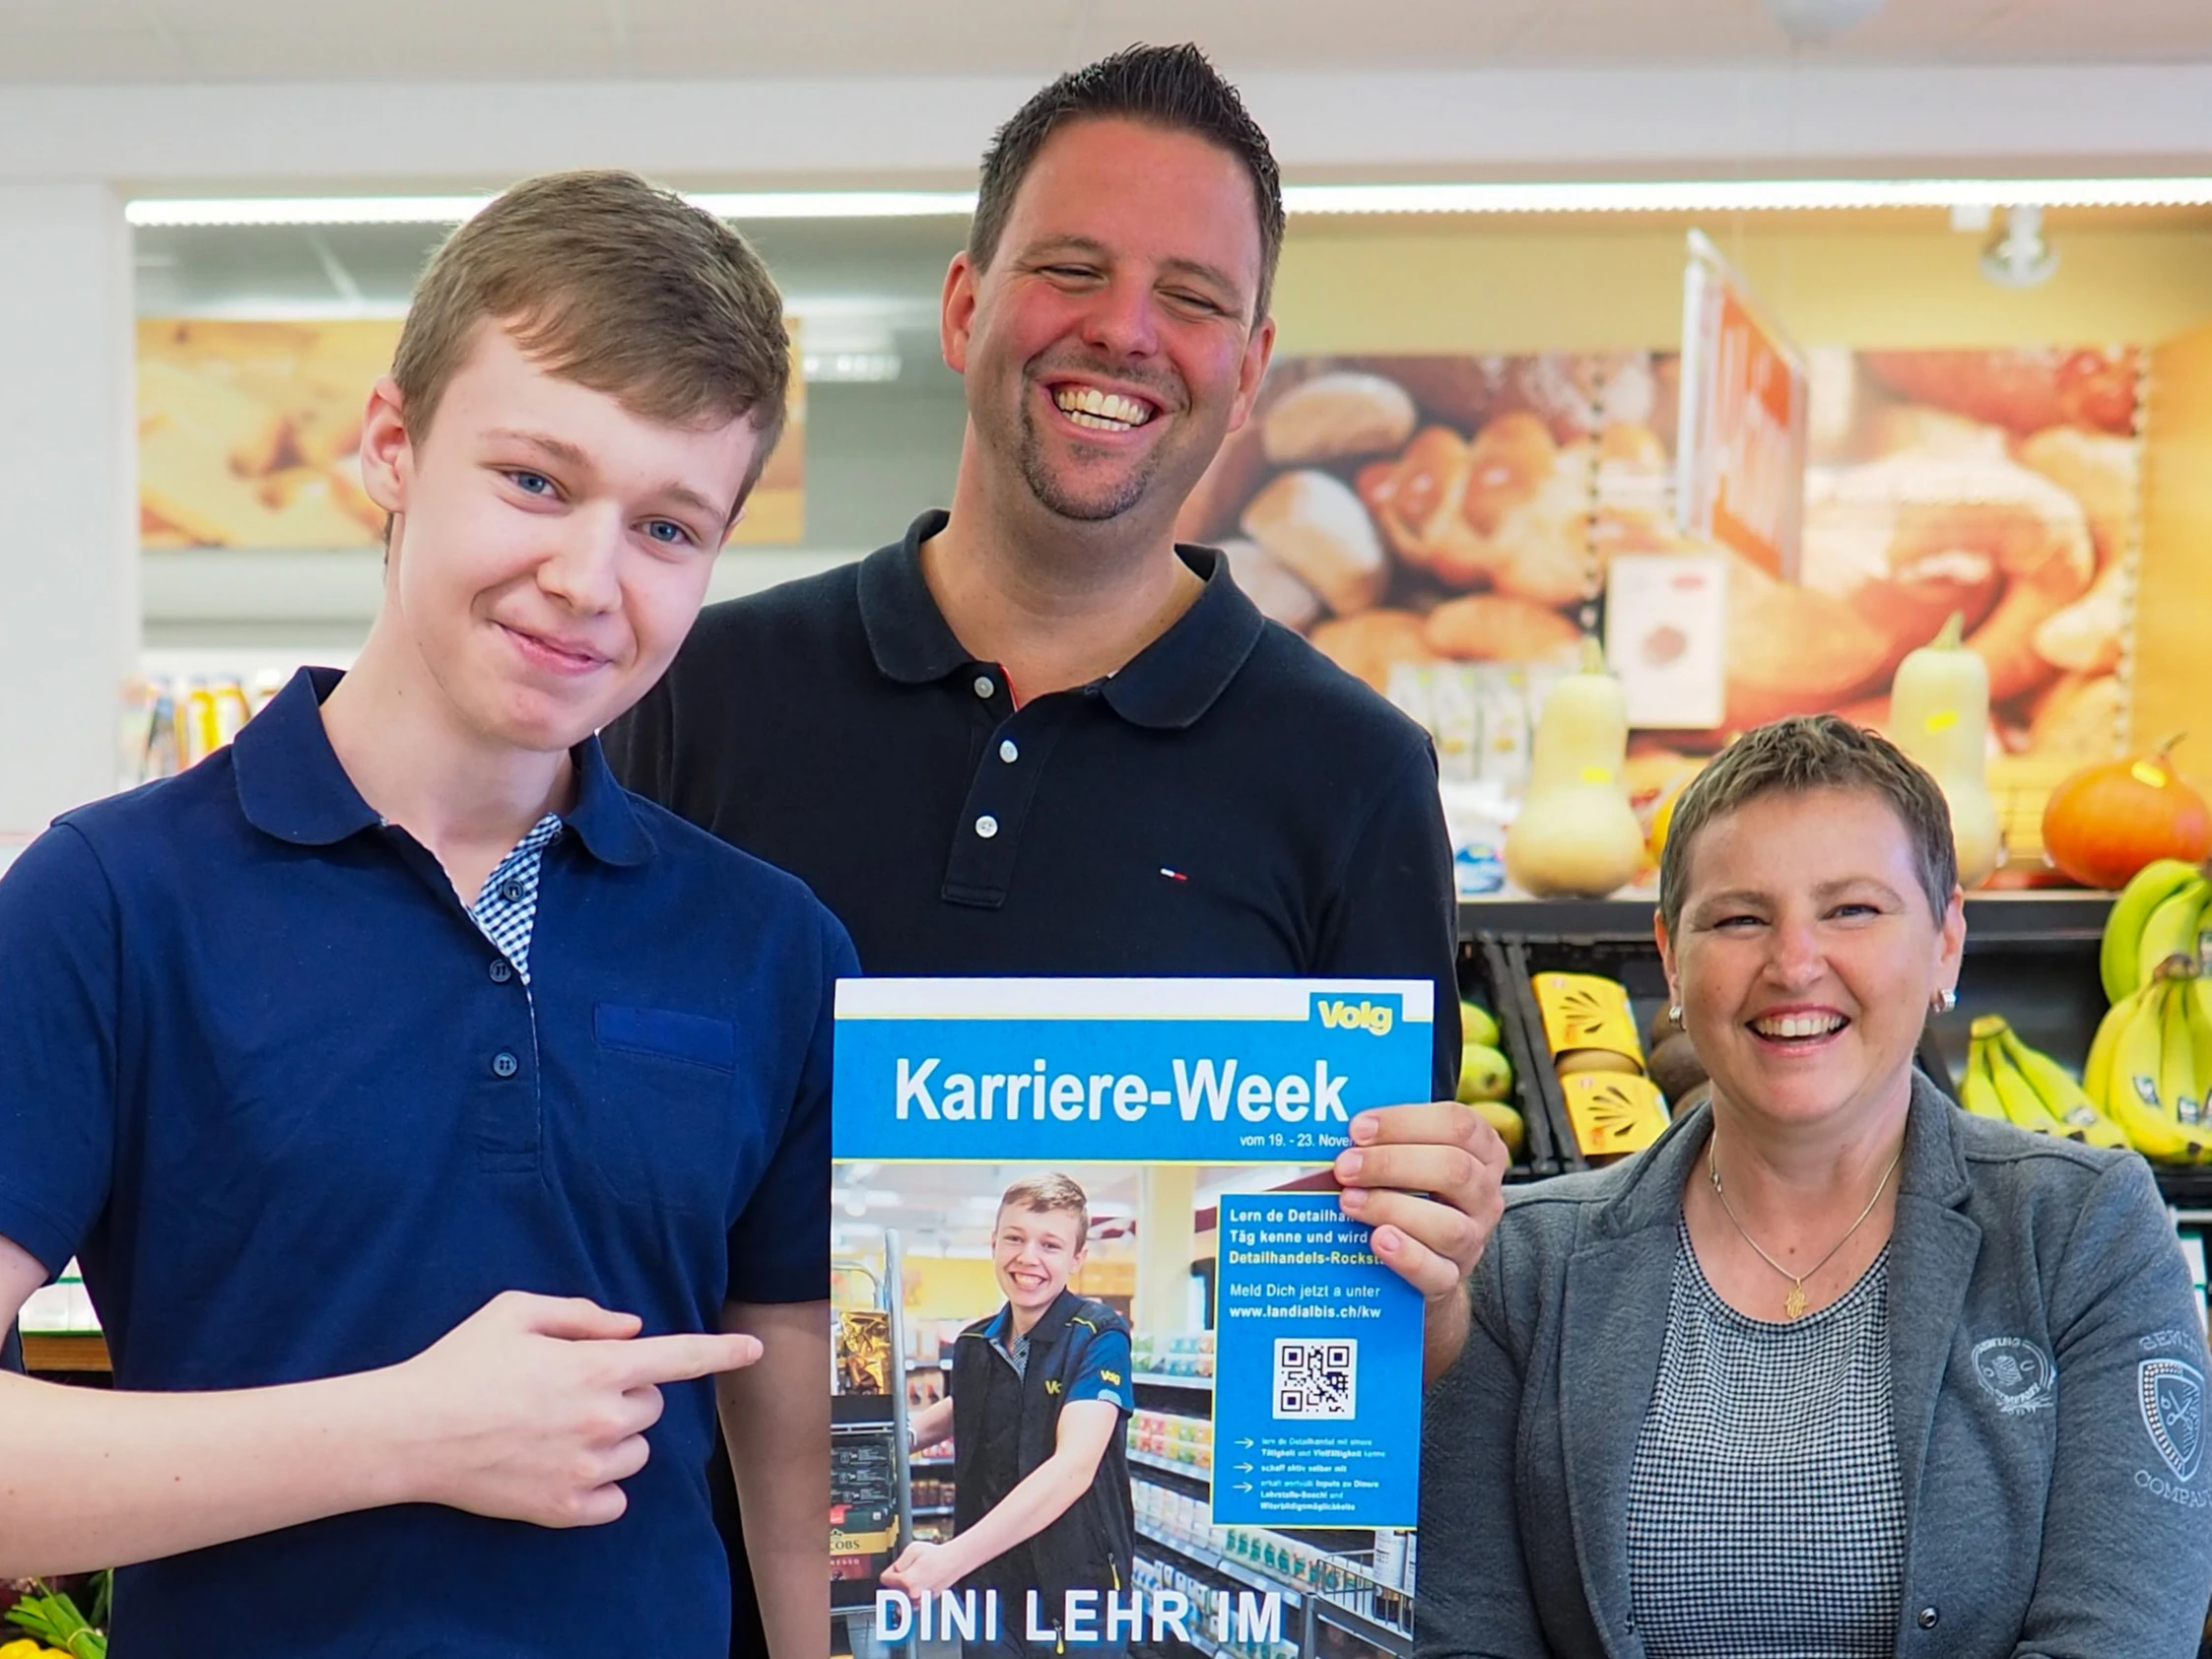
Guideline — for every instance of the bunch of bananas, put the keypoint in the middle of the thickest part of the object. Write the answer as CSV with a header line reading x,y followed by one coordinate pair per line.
x,y
2165,910
2010,1082
2150,1061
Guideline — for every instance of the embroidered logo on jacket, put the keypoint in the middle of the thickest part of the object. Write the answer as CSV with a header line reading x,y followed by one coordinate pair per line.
x,y
2017,1374
2171,1395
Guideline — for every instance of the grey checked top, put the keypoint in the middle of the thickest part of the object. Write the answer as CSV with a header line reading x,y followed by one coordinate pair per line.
x,y
1766,1516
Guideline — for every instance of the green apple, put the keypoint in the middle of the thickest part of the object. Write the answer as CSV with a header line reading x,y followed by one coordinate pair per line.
x,y
1477,1024
1484,1074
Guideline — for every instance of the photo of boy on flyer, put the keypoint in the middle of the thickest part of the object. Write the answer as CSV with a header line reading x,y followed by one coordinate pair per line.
x,y
1038,1409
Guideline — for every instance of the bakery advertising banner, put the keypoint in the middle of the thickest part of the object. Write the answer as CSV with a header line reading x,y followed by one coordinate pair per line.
x,y
249,433
1447,527
1089,1224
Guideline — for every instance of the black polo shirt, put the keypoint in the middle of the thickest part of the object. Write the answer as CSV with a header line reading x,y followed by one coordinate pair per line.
x,y
1230,803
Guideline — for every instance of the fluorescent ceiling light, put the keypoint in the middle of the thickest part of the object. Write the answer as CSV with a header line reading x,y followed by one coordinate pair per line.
x,y
452,210
1649,196
1745,195
307,209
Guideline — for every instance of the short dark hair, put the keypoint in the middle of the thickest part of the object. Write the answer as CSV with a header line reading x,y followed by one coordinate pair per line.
x,y
1170,86
1806,752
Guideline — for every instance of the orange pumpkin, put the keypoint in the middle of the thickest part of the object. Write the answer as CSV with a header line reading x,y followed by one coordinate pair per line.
x,y
2108,820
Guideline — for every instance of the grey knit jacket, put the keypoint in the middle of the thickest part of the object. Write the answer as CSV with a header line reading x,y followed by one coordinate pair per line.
x,y
2049,1375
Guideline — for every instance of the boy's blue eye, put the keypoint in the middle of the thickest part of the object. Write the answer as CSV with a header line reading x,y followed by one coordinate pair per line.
x,y
531,483
668,534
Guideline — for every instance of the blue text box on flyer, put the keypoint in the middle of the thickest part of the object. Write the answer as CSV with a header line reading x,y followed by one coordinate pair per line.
x,y
1317,1371
1227,1071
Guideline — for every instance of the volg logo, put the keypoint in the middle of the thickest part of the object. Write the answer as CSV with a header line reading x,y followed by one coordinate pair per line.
x,y
1340,1016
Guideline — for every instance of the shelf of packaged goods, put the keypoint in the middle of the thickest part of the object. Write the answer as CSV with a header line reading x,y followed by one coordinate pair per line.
x,y
71,1351
1389,1637
1188,1471
1155,1379
1207,1557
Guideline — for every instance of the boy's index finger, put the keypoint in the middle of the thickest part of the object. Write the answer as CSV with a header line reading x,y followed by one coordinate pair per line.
x,y
688,1355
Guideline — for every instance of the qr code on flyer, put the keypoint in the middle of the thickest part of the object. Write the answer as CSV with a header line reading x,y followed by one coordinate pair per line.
x,y
1316,1379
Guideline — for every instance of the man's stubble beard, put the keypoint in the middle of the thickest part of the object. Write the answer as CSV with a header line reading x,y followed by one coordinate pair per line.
x,y
1029,457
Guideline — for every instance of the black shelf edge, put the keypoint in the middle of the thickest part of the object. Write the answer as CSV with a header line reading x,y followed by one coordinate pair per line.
x,y
2045,912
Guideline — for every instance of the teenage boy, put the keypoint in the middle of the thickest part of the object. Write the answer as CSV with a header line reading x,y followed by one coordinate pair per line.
x,y
1037,737
432,1116
1040,1396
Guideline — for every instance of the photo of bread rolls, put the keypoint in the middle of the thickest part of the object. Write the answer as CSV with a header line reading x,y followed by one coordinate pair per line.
x,y
249,436
1315,526
1368,645
1466,509
1336,416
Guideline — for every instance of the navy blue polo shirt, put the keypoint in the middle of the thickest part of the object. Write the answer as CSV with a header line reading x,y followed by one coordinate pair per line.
x,y
1231,802
265,1076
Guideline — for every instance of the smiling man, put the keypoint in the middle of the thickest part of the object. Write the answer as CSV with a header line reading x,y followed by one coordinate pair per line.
x,y
1039,1398
432,1116
1037,737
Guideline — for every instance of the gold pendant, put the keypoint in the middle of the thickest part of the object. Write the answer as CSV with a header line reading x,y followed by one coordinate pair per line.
x,y
1794,1304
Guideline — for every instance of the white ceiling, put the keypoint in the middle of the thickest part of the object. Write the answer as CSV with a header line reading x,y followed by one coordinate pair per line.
x,y
220,40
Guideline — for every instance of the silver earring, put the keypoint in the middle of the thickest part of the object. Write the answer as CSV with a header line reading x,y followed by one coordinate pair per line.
x,y
1944,999
1674,1014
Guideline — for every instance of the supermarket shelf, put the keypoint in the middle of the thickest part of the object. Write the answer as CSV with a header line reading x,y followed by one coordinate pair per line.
x,y
1188,1471
1203,1384
930,1462
928,1511
1205,1556
1988,914
74,1351
1389,1637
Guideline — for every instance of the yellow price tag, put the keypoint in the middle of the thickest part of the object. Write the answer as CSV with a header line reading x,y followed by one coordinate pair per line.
x,y
2144,772
1597,775
1942,720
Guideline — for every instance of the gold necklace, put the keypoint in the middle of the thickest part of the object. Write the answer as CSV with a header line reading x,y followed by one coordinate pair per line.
x,y
1792,1304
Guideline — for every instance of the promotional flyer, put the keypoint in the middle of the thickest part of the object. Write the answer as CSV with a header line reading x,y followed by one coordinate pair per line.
x,y
1114,1375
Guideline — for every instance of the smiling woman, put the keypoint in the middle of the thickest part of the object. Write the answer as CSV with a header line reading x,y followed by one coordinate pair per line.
x,y
1818,1331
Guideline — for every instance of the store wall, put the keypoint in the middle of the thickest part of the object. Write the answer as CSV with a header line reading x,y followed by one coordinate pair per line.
x,y
1583,284
69,531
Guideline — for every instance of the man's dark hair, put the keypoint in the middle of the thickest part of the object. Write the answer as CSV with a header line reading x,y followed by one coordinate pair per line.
x,y
1169,87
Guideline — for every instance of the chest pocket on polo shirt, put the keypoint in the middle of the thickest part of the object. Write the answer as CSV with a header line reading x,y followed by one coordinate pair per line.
x,y
669,1126
667,1034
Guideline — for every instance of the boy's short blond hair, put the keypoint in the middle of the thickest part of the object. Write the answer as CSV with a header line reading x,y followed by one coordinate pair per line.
x,y
1049,1193
617,285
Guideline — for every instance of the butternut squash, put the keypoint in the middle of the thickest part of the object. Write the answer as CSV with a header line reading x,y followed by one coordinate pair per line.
x,y
1939,716
1575,835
